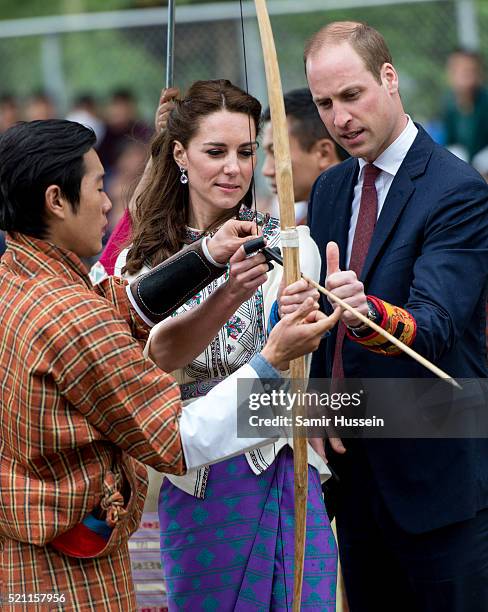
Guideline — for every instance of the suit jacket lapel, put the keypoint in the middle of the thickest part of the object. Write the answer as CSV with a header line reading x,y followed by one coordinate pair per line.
x,y
399,193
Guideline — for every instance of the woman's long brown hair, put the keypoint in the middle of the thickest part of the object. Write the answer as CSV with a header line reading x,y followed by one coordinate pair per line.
x,y
162,208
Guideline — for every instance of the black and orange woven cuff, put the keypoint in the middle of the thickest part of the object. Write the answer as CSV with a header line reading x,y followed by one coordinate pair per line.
x,y
393,319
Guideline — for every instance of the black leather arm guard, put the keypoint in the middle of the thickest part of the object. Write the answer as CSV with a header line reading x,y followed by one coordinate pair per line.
x,y
170,284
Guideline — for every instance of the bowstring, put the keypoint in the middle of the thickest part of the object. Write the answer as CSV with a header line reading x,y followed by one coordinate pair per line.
x,y
254,199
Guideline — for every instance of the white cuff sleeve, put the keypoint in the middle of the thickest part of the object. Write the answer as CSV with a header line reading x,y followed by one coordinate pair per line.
x,y
206,252
208,426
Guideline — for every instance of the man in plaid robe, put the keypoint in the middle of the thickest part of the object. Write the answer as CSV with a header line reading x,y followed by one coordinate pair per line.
x,y
80,405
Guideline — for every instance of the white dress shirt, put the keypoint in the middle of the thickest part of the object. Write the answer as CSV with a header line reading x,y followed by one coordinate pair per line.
x,y
388,162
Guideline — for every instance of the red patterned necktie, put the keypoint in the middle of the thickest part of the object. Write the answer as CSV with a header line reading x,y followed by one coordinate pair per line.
x,y
368,212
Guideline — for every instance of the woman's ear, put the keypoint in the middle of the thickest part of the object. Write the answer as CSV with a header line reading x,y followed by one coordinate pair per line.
x,y
55,203
179,154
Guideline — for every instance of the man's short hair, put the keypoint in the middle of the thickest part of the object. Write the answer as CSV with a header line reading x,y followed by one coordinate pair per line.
x,y
8,99
122,95
306,124
33,156
468,53
368,43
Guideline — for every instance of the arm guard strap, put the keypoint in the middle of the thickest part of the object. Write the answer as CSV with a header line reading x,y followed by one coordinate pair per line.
x,y
166,287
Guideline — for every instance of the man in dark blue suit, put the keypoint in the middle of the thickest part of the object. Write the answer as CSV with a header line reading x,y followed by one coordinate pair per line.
x,y
405,224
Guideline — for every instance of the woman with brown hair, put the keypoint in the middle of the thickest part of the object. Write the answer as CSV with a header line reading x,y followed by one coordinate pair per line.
x,y
227,529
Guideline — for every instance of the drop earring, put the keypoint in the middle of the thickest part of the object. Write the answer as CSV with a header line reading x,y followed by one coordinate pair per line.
x,y
183,177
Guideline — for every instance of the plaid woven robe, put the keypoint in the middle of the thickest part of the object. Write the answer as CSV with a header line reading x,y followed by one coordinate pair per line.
x,y
78,401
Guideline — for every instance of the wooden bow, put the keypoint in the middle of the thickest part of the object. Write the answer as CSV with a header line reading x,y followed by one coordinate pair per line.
x,y
284,181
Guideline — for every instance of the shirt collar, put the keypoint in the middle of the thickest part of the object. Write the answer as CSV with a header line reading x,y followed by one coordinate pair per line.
x,y
391,159
37,256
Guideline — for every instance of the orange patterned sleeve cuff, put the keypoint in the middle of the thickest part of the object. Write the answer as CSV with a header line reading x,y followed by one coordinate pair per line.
x,y
398,321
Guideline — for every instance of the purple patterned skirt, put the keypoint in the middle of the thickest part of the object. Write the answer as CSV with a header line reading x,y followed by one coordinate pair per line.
x,y
234,549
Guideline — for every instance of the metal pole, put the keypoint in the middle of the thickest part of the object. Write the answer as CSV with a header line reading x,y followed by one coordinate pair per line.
x,y
467,24
170,46
52,70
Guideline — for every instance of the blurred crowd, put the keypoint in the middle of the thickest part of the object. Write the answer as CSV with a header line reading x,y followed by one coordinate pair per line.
x,y
122,136
464,119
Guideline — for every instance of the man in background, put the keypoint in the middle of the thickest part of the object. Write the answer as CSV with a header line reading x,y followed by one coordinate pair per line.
x,y
123,125
465,113
40,106
312,149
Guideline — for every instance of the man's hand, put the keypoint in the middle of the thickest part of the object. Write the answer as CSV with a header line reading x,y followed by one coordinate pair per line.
x,y
319,447
246,274
298,334
346,286
290,298
232,235
166,104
